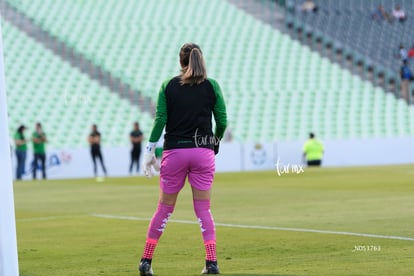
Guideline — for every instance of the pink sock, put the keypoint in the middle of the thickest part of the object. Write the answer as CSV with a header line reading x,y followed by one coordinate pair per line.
x,y
159,221
149,249
208,230
156,228
210,247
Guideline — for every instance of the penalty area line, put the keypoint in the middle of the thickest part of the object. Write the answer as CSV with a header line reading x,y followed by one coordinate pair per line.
x,y
265,227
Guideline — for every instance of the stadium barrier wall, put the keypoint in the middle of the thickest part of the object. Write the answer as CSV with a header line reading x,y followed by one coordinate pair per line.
x,y
234,157
77,163
355,152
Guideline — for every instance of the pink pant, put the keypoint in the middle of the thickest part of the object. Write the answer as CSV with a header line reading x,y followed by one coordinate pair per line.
x,y
196,163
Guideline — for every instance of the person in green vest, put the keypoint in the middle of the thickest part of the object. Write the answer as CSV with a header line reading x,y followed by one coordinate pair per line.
x,y
21,151
39,139
313,151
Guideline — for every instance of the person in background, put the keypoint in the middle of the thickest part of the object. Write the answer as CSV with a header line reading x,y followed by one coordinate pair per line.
x,y
411,52
185,106
313,151
39,139
403,53
406,77
309,6
21,151
381,14
94,140
136,138
398,14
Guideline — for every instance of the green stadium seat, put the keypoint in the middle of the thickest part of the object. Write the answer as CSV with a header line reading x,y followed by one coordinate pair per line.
x,y
275,88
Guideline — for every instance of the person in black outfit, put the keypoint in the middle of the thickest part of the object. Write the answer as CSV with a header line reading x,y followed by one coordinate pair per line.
x,y
95,142
136,138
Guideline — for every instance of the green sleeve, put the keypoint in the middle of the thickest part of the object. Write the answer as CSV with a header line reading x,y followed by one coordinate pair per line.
x,y
160,115
219,111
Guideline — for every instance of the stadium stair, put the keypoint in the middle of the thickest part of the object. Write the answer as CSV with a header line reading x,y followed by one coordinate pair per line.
x,y
349,26
43,88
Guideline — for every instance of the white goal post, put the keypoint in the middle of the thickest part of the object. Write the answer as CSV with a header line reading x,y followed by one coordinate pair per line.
x,y
8,241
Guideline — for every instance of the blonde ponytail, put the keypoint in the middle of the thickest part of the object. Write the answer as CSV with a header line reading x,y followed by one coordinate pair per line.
x,y
193,67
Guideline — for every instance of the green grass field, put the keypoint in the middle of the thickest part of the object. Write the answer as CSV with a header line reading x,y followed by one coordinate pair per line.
x,y
82,227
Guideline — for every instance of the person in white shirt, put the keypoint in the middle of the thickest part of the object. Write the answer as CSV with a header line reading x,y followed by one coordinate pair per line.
x,y
398,14
308,6
403,53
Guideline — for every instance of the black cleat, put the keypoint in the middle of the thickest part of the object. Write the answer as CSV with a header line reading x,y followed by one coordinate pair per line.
x,y
145,268
211,268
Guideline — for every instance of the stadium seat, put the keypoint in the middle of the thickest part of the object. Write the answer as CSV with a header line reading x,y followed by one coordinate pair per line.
x,y
274,87
59,96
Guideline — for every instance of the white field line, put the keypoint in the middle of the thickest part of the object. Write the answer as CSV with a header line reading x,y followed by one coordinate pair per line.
x,y
265,227
50,218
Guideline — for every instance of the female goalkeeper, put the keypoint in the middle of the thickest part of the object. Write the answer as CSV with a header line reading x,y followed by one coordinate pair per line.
x,y
185,107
